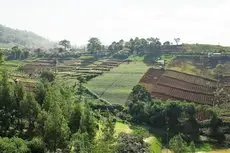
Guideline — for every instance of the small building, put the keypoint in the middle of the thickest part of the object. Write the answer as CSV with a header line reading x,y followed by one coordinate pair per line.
x,y
214,54
161,62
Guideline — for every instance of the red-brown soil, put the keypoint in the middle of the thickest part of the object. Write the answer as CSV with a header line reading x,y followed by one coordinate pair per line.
x,y
168,84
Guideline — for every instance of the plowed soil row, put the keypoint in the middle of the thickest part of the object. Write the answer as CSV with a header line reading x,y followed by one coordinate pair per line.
x,y
190,78
167,84
180,84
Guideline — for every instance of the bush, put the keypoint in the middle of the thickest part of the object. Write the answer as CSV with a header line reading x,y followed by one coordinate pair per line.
x,y
130,143
47,75
13,145
36,145
123,54
178,145
20,67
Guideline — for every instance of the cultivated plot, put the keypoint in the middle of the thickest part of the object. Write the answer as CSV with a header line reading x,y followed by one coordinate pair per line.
x,y
117,84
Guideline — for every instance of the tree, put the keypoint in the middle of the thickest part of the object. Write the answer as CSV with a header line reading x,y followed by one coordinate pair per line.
x,y
177,40
178,145
140,93
154,44
94,45
80,89
191,126
25,54
112,47
13,145
40,94
30,110
16,52
130,143
75,118
36,145
7,107
19,99
108,128
106,140
1,56
192,147
215,129
121,44
116,46
88,122
167,43
81,143
219,70
65,43
56,128
173,111
48,76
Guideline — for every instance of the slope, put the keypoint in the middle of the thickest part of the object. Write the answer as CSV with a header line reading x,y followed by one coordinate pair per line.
x,y
10,37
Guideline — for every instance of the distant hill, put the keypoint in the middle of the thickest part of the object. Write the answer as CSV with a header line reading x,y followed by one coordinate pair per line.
x,y
10,37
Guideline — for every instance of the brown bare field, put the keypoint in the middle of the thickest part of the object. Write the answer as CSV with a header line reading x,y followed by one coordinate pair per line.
x,y
190,78
168,84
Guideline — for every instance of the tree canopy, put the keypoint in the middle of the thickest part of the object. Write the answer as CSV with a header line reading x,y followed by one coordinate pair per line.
x,y
94,45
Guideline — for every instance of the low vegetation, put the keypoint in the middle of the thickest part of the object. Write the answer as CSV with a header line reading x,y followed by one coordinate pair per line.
x,y
116,85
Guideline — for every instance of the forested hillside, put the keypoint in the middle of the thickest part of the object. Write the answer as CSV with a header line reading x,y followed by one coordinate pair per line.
x,y
11,37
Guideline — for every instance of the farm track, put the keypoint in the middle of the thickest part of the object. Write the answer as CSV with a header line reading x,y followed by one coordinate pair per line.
x,y
167,84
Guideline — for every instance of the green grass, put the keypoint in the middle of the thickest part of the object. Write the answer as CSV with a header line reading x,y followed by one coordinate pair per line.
x,y
119,127
186,67
189,67
115,86
167,57
136,58
10,65
204,147
155,145
122,127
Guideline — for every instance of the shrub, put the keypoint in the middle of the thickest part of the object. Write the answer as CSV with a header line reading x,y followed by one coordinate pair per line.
x,y
13,145
123,54
130,143
178,145
36,145
47,75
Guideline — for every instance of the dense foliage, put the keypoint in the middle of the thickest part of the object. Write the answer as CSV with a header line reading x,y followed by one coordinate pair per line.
x,y
131,143
54,118
172,117
178,145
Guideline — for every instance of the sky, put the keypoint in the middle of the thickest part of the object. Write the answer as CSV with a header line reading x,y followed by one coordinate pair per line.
x,y
193,21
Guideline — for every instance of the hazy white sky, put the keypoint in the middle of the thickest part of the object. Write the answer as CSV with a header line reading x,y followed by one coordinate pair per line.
x,y
202,21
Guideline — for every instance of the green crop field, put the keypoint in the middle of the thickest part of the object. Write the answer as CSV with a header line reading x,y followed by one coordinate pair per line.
x,y
10,65
116,85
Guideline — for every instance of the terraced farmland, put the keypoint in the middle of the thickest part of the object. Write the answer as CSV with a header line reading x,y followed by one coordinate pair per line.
x,y
180,84
168,84
71,69
190,78
116,84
